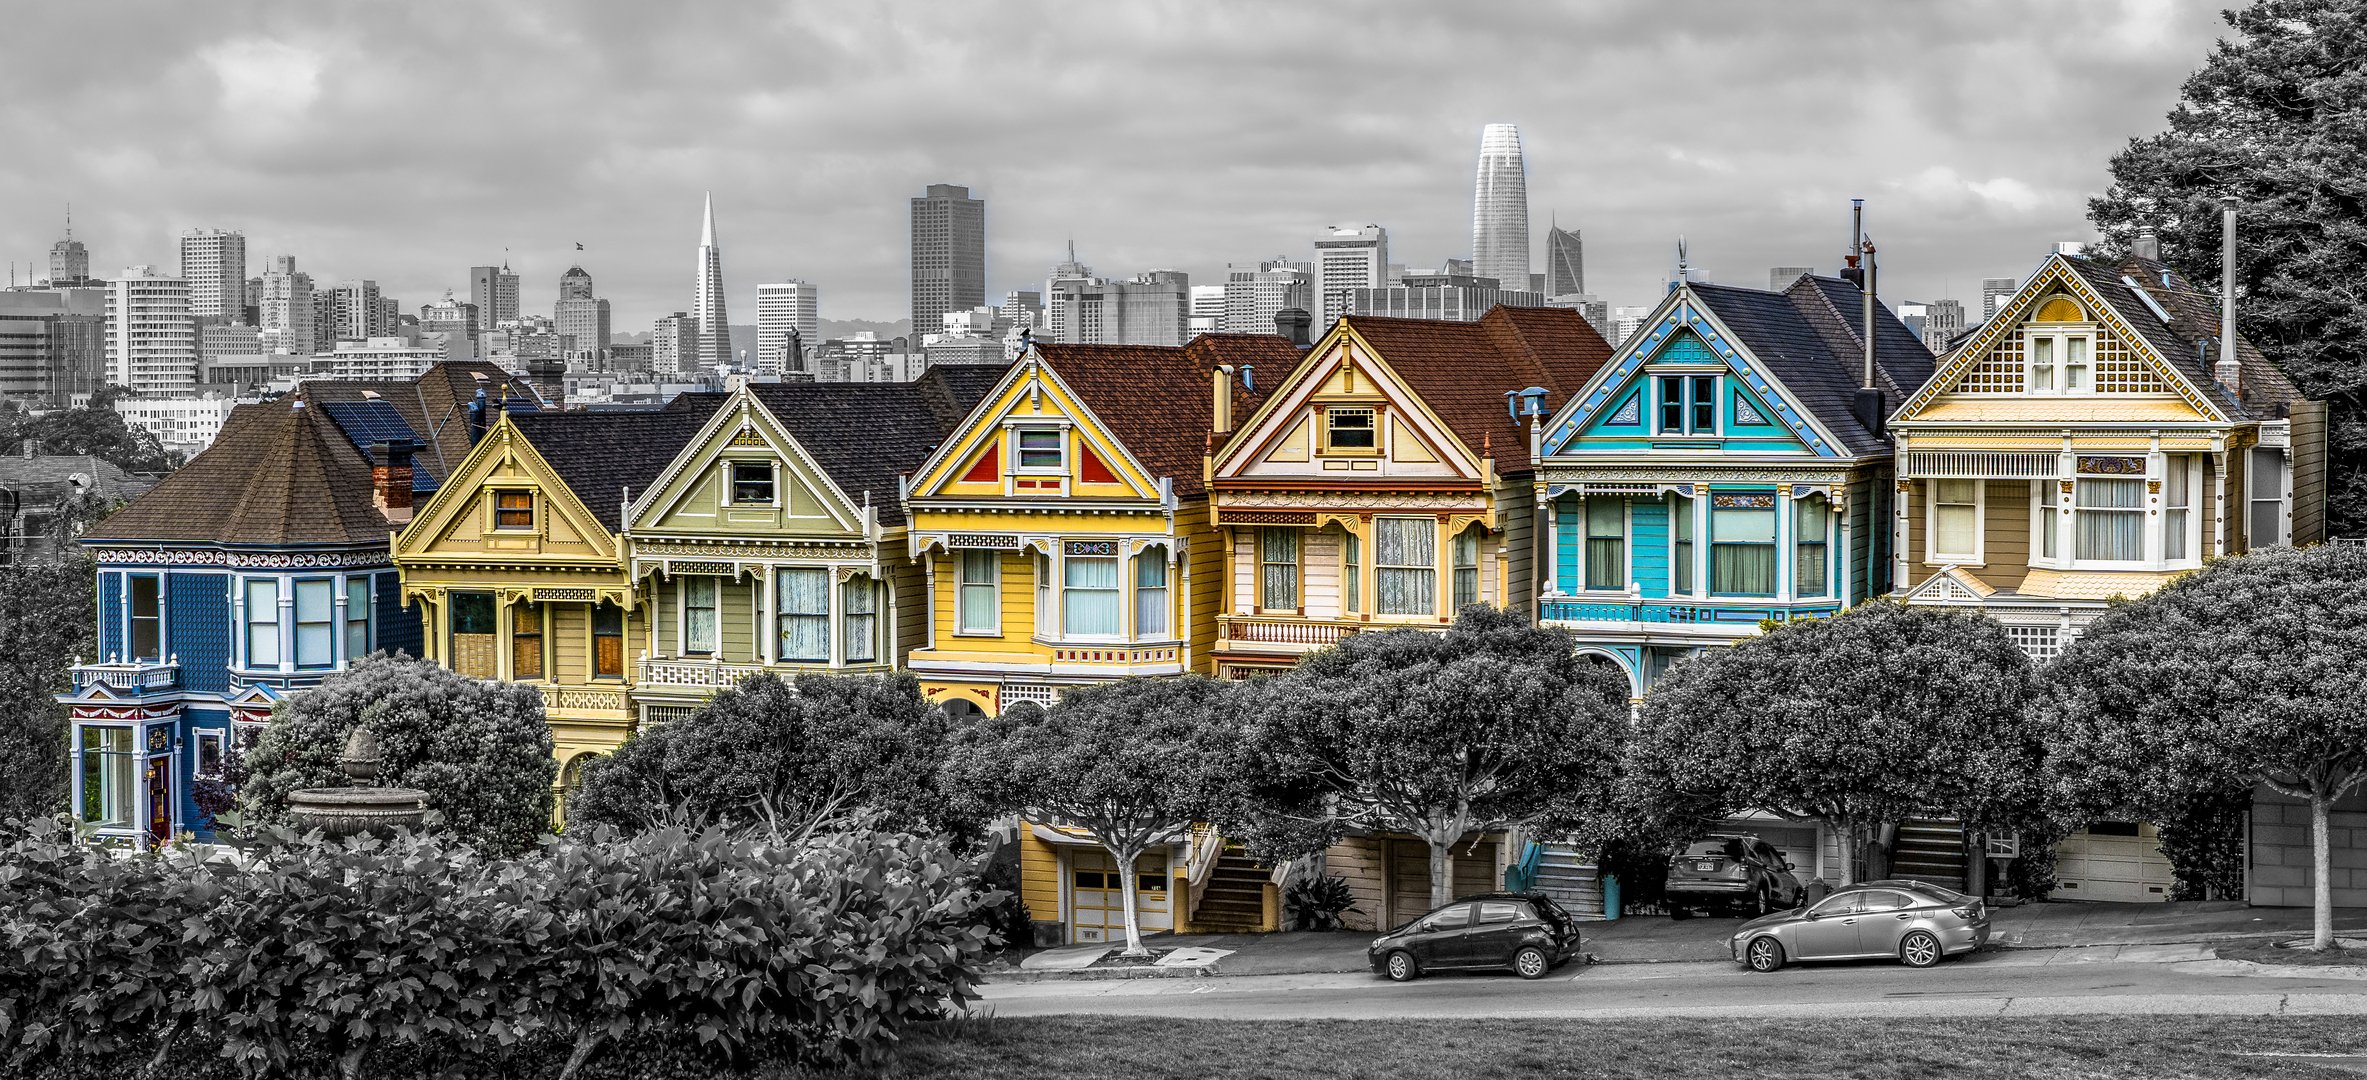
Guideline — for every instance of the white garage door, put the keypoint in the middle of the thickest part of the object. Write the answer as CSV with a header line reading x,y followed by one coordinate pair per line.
x,y
1096,902
2112,860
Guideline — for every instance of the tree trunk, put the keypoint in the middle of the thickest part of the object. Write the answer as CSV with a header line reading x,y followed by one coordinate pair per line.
x,y
1126,882
2322,873
1442,873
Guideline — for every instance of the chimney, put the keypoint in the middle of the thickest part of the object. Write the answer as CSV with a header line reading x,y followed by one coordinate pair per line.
x,y
1867,404
2230,370
477,420
1221,381
1295,324
1857,241
2146,246
390,479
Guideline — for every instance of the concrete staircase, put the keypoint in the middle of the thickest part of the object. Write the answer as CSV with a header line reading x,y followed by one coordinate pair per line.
x,y
1930,849
1235,900
1572,882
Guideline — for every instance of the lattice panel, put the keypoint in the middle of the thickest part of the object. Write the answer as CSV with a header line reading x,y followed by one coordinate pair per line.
x,y
2040,643
1998,373
2120,371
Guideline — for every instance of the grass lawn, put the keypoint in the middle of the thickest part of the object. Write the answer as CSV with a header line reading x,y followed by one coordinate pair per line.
x,y
2051,1048
2267,952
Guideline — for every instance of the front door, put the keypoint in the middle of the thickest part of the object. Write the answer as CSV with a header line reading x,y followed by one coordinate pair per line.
x,y
160,800
1830,931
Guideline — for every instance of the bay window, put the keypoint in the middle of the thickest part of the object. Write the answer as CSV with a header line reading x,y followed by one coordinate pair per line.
x,y
1278,569
525,641
1405,565
1812,569
107,776
1742,545
1089,601
608,642
1956,520
316,623
977,607
2109,519
262,622
1680,552
357,617
701,624
1606,543
803,602
1465,563
2177,510
1351,573
1150,593
860,608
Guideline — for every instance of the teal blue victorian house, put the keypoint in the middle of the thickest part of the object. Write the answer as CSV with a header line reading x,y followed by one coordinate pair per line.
x,y
1727,467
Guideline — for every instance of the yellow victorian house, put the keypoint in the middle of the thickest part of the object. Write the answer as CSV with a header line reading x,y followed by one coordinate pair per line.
x,y
519,565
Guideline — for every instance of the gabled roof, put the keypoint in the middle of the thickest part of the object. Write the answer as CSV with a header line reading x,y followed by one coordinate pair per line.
x,y
1810,336
1462,370
866,436
1158,400
280,474
2262,392
600,455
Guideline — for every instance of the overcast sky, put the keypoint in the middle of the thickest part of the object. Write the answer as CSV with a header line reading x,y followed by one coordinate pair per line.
x,y
406,142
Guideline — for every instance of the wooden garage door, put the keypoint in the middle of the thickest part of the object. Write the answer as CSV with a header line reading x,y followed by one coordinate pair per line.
x,y
1096,904
1409,875
2112,860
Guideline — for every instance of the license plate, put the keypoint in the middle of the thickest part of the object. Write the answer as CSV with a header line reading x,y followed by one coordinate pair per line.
x,y
1706,867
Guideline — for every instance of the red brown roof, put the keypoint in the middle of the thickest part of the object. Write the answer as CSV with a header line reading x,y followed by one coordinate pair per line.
x,y
1157,400
280,474
1462,370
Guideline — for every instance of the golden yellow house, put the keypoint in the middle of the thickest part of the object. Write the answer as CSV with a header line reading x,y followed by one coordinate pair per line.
x,y
519,566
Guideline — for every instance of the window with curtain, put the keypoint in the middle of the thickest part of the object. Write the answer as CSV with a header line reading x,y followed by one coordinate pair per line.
x,y
1278,569
1150,594
1956,519
2048,524
475,652
1812,550
803,603
1089,602
1742,545
701,625
608,641
107,776
2178,509
525,641
357,617
1465,552
861,608
1047,610
1405,565
316,623
262,622
1351,572
1680,551
1606,543
147,617
977,608
2108,518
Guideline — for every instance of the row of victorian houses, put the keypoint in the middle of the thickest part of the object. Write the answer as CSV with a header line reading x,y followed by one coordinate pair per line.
x,y
1096,512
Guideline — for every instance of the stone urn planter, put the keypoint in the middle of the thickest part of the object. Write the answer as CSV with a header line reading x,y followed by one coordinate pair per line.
x,y
359,808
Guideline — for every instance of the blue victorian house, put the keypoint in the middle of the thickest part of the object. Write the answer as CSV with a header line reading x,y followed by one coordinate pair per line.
x,y
254,571
1727,467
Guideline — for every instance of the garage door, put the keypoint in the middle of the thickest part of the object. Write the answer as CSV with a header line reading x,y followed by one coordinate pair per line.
x,y
1096,903
2112,860
1409,876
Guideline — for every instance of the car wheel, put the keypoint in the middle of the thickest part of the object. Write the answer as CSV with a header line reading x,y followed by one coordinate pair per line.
x,y
1919,949
1401,967
1760,904
1679,911
1531,962
1764,954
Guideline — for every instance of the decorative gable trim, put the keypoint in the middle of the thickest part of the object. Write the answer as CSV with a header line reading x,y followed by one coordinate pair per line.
x,y
757,429
1951,586
502,446
1679,314
1031,379
1286,419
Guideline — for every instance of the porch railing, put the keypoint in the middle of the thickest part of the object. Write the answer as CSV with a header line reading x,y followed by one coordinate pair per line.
x,y
1284,630
1668,613
697,673
137,675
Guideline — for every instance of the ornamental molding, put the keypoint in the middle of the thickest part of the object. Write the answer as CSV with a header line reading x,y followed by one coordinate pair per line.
x,y
1358,501
825,550
282,560
1682,474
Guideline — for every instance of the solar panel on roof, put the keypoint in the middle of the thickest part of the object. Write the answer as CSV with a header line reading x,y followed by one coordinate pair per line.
x,y
370,421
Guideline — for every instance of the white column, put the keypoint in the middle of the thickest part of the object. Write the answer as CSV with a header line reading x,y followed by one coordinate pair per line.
x,y
1900,534
287,626
1553,546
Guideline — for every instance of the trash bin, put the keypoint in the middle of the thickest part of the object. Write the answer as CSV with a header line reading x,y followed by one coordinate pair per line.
x,y
1611,897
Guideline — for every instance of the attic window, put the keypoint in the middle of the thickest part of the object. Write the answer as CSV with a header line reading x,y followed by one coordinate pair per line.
x,y
752,483
513,510
1348,431
1039,449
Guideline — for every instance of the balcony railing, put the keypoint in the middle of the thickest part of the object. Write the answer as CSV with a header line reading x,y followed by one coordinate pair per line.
x,y
583,699
1292,632
1679,613
136,675
696,673
1116,655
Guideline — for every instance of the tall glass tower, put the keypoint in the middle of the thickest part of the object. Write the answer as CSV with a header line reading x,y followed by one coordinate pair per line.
x,y
1500,209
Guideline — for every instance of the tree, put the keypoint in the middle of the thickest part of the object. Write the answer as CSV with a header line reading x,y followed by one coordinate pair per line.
x,y
2246,672
46,620
480,750
2270,120
1132,763
797,751
1493,724
1861,720
96,429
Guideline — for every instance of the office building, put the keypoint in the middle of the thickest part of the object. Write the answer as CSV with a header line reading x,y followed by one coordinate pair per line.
x,y
455,317
674,346
1448,297
227,339
948,253
494,290
1590,307
391,357
1780,278
1625,320
1206,314
53,346
789,312
1152,308
214,263
1565,262
706,299
1500,209
1255,292
151,337
183,423
1347,259
355,312
580,318
1995,291
1943,320
69,261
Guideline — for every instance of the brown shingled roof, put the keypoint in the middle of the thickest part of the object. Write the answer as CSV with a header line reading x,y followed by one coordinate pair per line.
x,y
1156,399
1462,370
435,404
281,474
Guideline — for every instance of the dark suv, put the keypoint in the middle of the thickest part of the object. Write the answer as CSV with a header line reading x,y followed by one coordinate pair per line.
x,y
1742,873
1526,932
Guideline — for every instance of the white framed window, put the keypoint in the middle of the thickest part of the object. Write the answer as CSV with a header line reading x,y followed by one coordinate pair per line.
x,y
1680,548
1277,569
860,608
700,622
1090,597
147,617
2061,361
262,622
1039,449
1954,521
1405,565
2048,513
1047,605
1150,594
1812,569
2267,491
1464,565
357,616
316,623
1348,430
804,600
107,768
1606,543
210,748
2108,519
1351,573
1688,404
977,600
2177,509
752,483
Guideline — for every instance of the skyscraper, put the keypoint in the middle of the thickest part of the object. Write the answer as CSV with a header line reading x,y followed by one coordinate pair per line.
x,y
1994,291
580,317
674,348
1253,293
1942,321
1349,259
69,261
355,312
1154,308
706,301
1565,263
948,254
214,263
455,317
789,311
494,290
1500,209
285,310
151,337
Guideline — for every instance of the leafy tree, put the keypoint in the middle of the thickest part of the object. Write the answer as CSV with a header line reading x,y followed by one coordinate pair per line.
x,y
796,751
1131,763
2271,121
46,619
479,749
1860,720
1494,724
2246,672
96,429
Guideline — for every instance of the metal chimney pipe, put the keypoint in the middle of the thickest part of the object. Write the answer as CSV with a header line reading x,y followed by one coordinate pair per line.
x,y
2230,371
1868,383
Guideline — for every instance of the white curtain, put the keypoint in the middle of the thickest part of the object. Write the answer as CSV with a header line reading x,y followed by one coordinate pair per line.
x,y
805,615
2111,520
1405,565
699,616
1812,567
978,599
1956,517
1150,594
1278,560
316,623
1742,550
861,605
1091,597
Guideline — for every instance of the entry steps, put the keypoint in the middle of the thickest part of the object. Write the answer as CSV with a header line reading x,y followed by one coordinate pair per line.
x,y
1235,900
1930,849
1572,882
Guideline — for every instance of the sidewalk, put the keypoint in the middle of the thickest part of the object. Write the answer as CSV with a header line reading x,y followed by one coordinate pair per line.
x,y
1648,939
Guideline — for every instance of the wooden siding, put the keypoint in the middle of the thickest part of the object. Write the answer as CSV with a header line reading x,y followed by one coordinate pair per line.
x,y
569,638
1244,568
909,602
2308,463
735,603
1039,877
2005,545
1319,573
1516,514
1204,567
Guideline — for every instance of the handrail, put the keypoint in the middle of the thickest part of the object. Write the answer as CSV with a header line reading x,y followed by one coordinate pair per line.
x,y
1200,862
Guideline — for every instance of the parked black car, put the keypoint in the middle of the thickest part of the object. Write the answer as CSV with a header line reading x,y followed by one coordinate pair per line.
x,y
1526,932
1742,873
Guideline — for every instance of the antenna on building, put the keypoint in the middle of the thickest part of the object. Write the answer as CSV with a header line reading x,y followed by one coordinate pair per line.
x,y
69,221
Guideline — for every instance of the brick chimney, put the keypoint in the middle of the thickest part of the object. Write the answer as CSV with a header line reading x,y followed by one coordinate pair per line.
x,y
390,479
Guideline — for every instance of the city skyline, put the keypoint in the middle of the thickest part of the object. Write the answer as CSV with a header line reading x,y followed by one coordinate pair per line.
x,y
271,123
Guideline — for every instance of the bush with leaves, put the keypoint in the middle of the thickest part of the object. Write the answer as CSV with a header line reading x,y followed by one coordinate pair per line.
x,y
481,750
46,619
1319,903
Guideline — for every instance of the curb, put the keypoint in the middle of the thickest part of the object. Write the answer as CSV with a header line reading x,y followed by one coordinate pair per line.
x,y
1101,974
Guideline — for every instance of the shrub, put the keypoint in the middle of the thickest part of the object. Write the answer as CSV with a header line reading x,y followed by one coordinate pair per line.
x,y
1319,903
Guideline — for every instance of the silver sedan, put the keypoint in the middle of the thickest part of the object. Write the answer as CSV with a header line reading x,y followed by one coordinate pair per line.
x,y
1914,922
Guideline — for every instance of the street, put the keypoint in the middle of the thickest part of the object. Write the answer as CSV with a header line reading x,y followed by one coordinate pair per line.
x,y
2132,979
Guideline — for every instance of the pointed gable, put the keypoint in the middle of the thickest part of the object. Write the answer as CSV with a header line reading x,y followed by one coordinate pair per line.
x,y
1462,371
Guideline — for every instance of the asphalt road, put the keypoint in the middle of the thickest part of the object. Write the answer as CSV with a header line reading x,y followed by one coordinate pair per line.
x,y
2135,979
